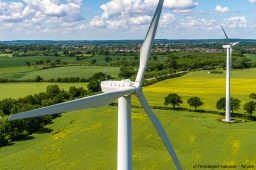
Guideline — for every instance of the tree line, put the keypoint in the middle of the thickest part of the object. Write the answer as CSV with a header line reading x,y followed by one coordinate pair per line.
x,y
11,131
15,130
249,107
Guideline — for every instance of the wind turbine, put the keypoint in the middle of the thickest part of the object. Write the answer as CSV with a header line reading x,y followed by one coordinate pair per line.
x,y
122,90
228,67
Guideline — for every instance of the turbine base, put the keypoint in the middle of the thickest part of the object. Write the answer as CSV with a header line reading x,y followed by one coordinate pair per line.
x,y
228,121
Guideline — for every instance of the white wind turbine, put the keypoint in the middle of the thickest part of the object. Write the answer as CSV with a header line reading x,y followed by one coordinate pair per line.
x,y
228,67
122,90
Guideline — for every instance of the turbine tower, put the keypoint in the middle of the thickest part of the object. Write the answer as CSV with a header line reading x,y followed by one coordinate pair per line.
x,y
228,47
121,90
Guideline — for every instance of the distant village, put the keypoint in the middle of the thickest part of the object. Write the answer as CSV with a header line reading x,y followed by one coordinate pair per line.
x,y
158,48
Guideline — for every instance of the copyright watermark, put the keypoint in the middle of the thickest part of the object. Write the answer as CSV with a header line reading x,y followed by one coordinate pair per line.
x,y
223,166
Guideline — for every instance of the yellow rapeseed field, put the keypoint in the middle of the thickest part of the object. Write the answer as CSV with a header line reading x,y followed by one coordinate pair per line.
x,y
208,87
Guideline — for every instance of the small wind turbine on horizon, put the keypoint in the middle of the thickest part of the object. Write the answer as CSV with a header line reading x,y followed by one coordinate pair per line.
x,y
228,67
122,90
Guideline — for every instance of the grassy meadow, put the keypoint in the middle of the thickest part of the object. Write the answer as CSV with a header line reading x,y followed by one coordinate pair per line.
x,y
13,70
21,61
88,140
25,73
252,56
5,55
17,90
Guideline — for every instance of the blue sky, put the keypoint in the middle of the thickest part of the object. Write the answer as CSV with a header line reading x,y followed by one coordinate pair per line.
x,y
124,19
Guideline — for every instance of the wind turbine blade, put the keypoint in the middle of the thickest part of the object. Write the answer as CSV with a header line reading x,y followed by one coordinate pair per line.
x,y
224,32
159,129
78,104
147,44
234,44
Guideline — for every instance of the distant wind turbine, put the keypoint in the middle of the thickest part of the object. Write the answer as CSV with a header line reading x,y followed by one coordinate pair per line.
x,y
122,90
229,65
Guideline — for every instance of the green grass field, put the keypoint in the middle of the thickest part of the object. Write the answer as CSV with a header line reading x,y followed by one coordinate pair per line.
x,y
5,55
88,140
252,57
71,71
17,90
14,70
21,61
100,58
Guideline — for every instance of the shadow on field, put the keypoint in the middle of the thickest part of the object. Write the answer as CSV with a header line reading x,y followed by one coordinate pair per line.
x,y
24,138
44,130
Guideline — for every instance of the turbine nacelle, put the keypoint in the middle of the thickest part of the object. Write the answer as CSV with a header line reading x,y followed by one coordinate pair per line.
x,y
110,86
226,46
231,45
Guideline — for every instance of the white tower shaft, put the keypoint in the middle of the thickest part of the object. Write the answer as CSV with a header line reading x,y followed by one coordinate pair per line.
x,y
227,113
124,147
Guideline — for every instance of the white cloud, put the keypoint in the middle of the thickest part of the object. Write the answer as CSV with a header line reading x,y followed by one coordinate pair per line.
x,y
124,7
181,5
120,7
11,12
236,22
167,18
138,20
191,22
47,15
54,8
114,24
137,12
176,5
222,9
97,22
253,1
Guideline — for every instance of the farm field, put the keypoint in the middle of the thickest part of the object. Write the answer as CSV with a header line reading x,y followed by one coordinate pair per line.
x,y
21,61
252,56
209,87
53,73
88,139
5,55
13,70
17,90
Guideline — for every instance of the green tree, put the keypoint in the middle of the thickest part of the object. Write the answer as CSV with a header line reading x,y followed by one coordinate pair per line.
x,y
249,107
173,99
6,106
234,104
76,91
253,96
221,104
52,90
28,63
38,79
100,76
93,61
126,72
107,59
242,62
195,102
155,58
172,63
94,86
